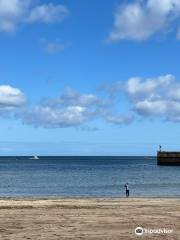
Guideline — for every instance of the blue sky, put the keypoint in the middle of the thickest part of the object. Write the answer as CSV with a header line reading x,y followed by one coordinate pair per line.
x,y
89,78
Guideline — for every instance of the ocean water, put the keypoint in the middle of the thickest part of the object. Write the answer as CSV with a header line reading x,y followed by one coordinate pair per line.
x,y
86,177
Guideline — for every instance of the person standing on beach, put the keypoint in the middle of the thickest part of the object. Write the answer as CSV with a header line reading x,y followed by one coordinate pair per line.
x,y
160,148
127,189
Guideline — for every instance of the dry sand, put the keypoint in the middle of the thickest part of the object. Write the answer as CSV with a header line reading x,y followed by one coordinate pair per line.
x,y
106,219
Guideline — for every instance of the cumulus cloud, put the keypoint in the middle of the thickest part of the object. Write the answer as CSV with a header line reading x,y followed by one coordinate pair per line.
x,y
10,99
49,117
155,97
151,107
16,12
142,19
71,109
150,88
168,110
72,98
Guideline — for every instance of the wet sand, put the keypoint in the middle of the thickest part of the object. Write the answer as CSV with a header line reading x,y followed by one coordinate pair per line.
x,y
101,219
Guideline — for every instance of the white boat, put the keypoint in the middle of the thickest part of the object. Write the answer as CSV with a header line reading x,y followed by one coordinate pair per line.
x,y
35,158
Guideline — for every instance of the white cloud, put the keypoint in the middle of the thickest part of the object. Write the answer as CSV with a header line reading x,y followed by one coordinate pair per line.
x,y
167,109
16,12
11,13
11,100
155,97
11,97
174,93
72,98
151,108
71,109
56,117
47,13
148,88
142,19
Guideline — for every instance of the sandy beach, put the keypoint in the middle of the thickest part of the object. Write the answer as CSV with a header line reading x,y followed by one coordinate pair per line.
x,y
59,219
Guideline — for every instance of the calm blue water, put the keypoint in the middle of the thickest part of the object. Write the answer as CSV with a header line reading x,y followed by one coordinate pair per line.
x,y
87,177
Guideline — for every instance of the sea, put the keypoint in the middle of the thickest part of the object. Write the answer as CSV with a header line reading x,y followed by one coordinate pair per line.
x,y
87,177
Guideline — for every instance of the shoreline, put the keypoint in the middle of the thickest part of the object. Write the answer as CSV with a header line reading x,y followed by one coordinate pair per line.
x,y
87,218
85,198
